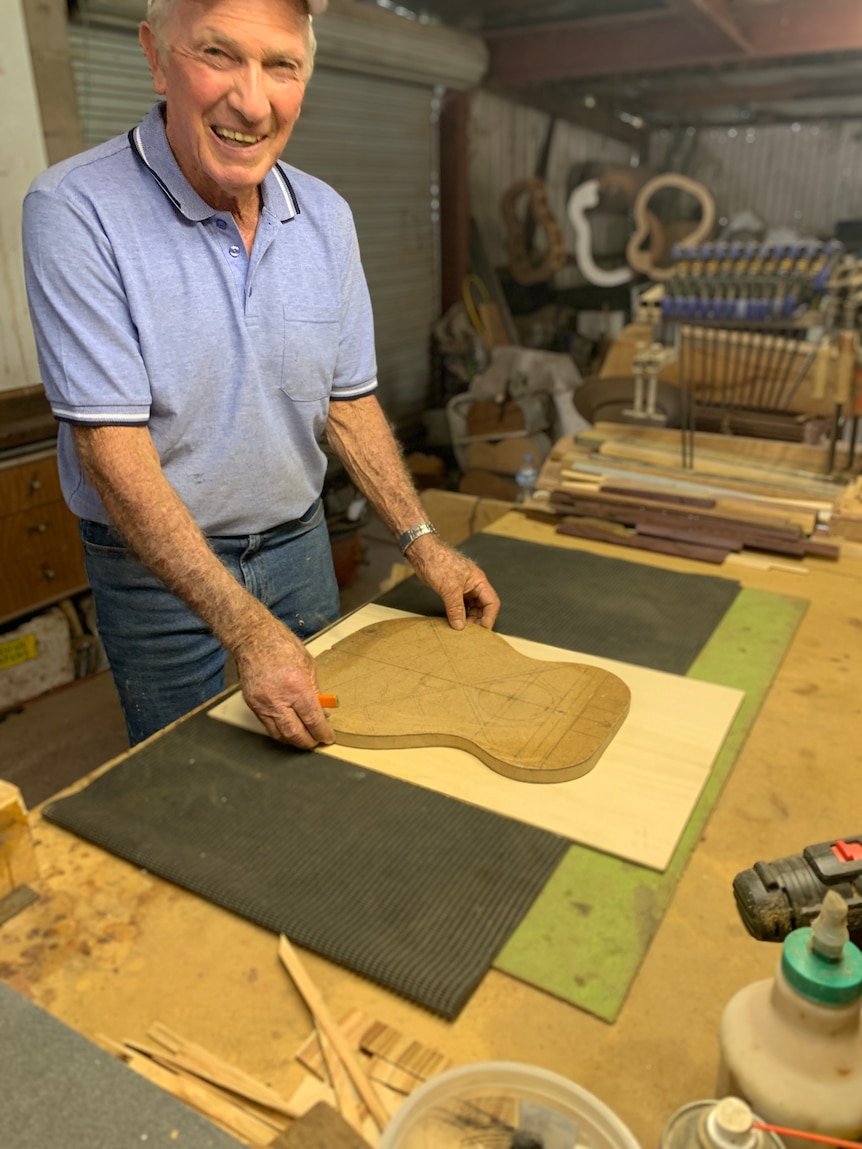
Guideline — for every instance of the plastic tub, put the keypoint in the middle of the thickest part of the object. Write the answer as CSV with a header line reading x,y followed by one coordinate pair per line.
x,y
508,1106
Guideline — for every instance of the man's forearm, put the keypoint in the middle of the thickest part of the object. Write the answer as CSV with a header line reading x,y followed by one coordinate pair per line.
x,y
362,439
123,466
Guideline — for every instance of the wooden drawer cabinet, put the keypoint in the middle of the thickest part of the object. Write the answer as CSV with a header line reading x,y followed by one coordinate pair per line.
x,y
27,483
41,558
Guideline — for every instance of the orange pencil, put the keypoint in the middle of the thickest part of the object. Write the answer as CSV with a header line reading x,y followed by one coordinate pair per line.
x,y
328,701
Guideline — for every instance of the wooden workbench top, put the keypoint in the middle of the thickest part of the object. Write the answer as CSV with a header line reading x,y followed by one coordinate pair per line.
x,y
110,949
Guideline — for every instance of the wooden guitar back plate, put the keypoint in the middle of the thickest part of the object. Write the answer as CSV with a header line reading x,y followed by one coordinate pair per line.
x,y
416,682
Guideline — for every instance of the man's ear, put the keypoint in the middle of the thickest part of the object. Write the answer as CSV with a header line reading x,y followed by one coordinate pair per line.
x,y
147,40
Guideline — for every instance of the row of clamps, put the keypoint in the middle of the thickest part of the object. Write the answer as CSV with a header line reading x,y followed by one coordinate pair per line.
x,y
748,282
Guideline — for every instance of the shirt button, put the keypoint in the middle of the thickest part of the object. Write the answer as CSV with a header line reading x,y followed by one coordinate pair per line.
x,y
221,224
234,250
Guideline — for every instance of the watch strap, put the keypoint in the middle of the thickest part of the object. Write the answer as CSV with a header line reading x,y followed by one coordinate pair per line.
x,y
415,533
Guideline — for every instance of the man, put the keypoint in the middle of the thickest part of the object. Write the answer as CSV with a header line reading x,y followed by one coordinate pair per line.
x,y
202,320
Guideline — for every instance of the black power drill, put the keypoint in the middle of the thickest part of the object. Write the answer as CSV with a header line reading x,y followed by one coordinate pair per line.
x,y
775,898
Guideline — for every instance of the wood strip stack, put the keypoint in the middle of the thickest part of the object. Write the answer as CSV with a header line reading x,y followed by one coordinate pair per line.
x,y
618,484
358,1067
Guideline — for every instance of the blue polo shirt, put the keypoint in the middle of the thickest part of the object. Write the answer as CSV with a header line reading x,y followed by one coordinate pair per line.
x,y
148,310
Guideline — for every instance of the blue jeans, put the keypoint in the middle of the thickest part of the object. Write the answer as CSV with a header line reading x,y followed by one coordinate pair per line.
x,y
164,659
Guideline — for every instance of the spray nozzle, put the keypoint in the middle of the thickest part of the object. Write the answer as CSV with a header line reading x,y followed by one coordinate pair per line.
x,y
829,929
730,1125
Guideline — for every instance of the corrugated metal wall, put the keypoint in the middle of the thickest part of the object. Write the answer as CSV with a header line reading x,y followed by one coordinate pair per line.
x,y
505,142
806,176
374,140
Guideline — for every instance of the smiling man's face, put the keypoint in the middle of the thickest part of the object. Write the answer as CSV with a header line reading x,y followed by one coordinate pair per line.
x,y
233,74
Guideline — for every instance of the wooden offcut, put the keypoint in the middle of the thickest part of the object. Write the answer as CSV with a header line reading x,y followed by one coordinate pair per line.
x,y
413,682
321,1128
17,856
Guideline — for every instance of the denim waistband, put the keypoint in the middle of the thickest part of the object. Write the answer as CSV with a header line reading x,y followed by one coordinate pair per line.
x,y
107,535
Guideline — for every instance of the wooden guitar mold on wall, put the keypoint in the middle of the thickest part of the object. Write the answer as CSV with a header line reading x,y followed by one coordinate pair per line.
x,y
417,682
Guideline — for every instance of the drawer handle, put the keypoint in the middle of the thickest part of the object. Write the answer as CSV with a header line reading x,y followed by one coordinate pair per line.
x,y
49,572
35,484
39,528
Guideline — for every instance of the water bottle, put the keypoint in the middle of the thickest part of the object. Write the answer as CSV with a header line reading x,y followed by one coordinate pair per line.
x,y
791,1046
526,477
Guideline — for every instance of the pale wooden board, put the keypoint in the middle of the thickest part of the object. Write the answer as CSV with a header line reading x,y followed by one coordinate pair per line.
x,y
634,804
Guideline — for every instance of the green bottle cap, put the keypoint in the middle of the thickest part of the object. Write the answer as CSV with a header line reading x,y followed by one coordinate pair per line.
x,y
823,980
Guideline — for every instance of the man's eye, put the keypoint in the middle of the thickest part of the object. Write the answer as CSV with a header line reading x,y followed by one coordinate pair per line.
x,y
215,54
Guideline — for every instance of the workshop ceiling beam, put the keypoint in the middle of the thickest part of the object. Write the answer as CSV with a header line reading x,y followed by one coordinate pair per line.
x,y
727,95
657,41
573,110
717,13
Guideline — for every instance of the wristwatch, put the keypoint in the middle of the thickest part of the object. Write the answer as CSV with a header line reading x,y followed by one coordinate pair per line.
x,y
415,533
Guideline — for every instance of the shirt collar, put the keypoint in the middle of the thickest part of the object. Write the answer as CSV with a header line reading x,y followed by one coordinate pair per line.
x,y
149,140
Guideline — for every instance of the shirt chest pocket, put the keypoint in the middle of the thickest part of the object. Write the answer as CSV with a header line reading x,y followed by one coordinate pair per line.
x,y
310,356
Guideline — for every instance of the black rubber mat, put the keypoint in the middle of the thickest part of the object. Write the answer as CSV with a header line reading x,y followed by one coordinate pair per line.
x,y
62,1092
411,888
607,607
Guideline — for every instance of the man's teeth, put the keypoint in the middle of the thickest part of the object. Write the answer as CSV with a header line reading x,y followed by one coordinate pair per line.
x,y
238,137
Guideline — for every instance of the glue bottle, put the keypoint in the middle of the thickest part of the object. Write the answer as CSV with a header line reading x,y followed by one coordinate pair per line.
x,y
791,1046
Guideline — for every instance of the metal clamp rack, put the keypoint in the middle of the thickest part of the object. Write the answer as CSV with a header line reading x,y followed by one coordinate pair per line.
x,y
748,324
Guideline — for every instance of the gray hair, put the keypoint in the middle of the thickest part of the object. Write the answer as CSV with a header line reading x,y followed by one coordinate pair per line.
x,y
158,12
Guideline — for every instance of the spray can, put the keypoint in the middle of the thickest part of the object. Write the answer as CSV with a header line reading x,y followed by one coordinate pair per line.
x,y
726,1124
791,1046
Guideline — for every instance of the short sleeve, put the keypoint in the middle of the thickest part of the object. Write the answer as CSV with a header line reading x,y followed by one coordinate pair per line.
x,y
356,368
88,348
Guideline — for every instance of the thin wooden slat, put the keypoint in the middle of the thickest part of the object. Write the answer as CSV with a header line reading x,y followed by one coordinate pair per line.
x,y
634,492
206,1100
689,535
645,543
345,1094
353,1024
324,1019
178,1064
194,1058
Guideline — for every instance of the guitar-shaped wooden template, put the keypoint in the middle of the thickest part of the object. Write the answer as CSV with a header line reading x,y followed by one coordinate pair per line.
x,y
417,682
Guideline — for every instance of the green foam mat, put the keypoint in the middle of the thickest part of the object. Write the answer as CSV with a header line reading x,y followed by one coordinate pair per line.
x,y
606,910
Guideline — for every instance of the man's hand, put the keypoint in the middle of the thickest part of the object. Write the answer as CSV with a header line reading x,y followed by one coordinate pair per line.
x,y
465,590
279,683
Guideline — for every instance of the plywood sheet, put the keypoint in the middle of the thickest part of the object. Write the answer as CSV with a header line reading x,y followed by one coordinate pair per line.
x,y
634,804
